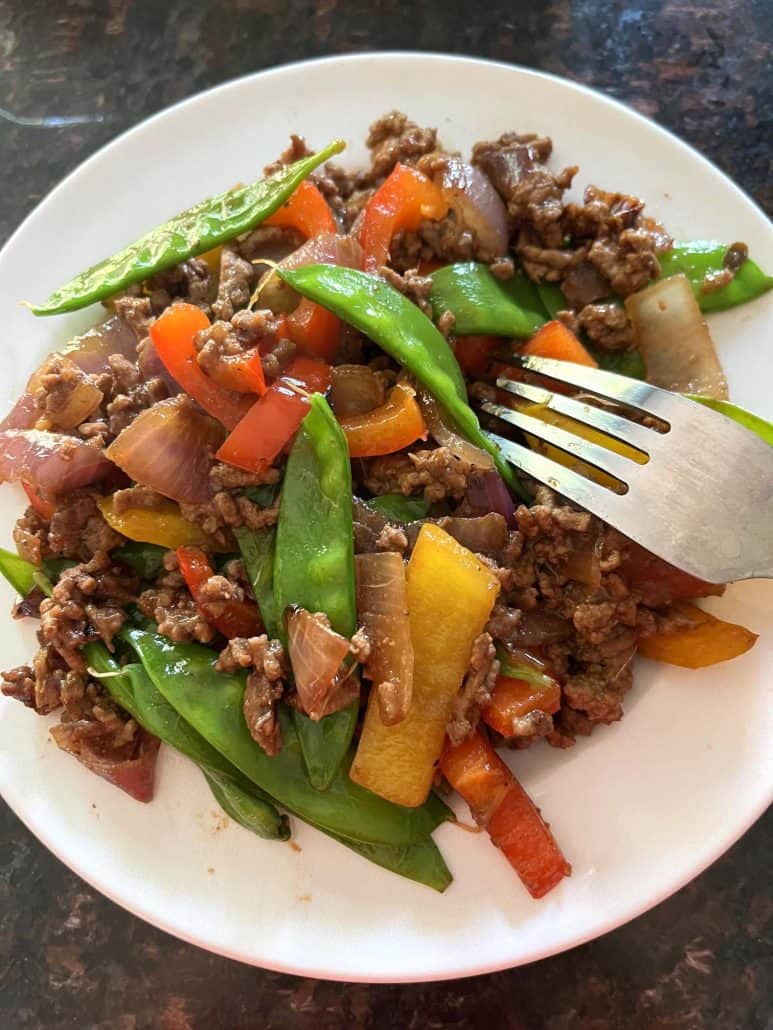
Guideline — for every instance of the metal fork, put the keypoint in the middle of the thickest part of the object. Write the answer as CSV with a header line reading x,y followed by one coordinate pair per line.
x,y
703,500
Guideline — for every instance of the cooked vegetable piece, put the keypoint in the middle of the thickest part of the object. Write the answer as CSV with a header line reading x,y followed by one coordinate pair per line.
x,y
403,331
706,641
257,551
314,563
705,260
421,862
43,507
54,463
19,572
514,698
147,560
163,525
483,305
211,702
305,210
231,616
450,595
272,420
382,603
552,298
199,229
674,340
402,202
748,419
398,508
442,430
473,352
499,802
625,362
395,424
557,341
324,682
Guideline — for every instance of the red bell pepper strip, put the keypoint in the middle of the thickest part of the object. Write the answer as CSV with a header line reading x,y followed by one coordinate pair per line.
x,y
555,340
473,352
273,420
232,617
242,373
388,428
500,803
312,328
306,210
172,333
403,201
513,698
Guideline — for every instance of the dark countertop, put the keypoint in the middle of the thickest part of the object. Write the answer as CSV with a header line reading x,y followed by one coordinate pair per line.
x,y
76,73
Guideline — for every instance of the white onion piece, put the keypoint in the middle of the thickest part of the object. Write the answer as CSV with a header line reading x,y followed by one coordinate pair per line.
x,y
50,462
317,654
169,448
477,205
442,433
89,352
355,390
674,340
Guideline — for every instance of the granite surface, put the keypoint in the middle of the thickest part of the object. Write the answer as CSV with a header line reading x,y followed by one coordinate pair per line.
x,y
74,73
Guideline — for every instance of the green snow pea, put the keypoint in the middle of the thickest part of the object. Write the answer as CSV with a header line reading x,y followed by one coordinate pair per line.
x,y
700,258
404,332
200,228
398,508
19,572
211,702
147,560
625,362
748,419
132,689
314,564
552,298
483,305
257,551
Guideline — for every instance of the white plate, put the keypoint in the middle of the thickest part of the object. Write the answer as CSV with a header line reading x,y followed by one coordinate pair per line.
x,y
639,809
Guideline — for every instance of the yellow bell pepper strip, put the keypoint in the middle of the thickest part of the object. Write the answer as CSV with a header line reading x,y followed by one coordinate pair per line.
x,y
498,801
386,429
554,418
164,526
404,200
555,340
450,595
706,641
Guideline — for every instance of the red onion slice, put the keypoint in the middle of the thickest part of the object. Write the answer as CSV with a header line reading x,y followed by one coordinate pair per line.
x,y
477,205
52,463
169,448
317,654
486,492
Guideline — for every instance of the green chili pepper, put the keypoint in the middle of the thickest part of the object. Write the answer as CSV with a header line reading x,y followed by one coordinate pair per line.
x,y
314,564
200,228
19,573
748,419
147,560
698,259
211,702
403,331
257,550
132,689
484,305
398,508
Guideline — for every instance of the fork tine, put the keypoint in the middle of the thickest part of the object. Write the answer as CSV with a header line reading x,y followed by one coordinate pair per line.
x,y
596,499
605,384
636,435
607,461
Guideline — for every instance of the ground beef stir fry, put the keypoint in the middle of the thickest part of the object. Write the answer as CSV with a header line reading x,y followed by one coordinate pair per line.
x,y
163,504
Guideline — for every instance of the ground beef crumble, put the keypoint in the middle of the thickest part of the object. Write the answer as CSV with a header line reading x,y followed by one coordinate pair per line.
x,y
169,603
476,689
266,681
438,473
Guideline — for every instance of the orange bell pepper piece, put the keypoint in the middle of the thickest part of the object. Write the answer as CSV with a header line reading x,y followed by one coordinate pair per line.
x,y
514,698
172,333
388,428
555,340
231,617
499,802
450,595
312,328
707,641
272,421
43,507
402,202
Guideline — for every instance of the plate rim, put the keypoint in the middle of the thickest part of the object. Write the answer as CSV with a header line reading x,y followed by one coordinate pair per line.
x,y
622,915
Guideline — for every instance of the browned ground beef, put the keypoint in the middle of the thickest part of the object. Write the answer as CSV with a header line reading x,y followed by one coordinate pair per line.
x,y
75,530
476,689
235,285
169,603
268,667
438,473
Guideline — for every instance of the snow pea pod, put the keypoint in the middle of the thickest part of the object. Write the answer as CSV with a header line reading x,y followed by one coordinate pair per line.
x,y
257,550
147,560
698,259
552,298
625,362
747,419
404,332
202,227
314,564
19,572
398,508
211,702
132,689
483,305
